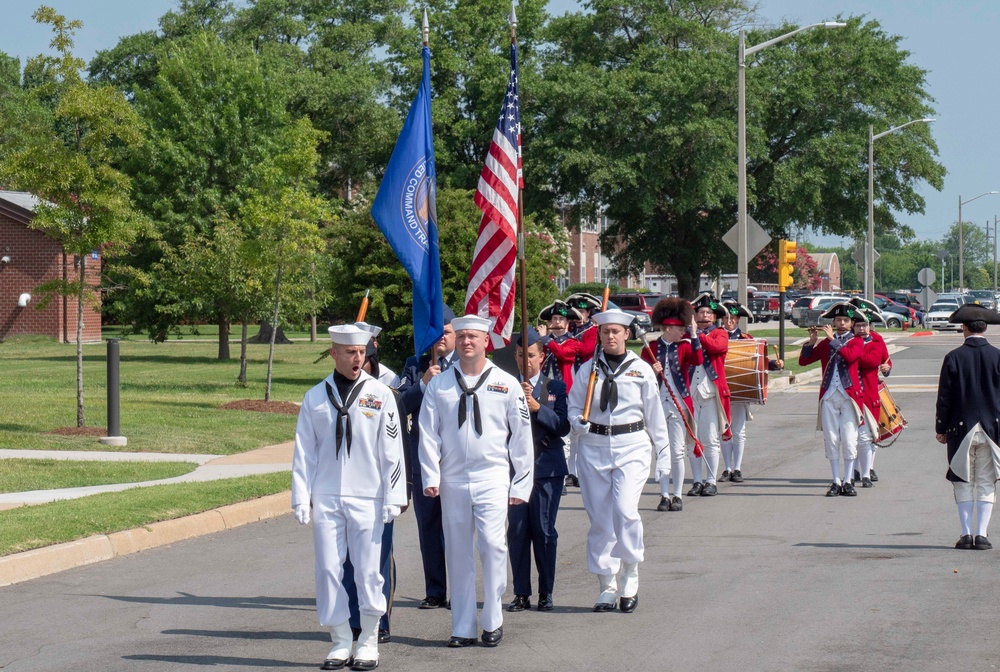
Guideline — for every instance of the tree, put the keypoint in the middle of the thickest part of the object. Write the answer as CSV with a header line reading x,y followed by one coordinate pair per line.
x,y
977,252
61,150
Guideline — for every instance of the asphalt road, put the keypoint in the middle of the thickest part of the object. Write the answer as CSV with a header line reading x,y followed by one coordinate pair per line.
x,y
769,575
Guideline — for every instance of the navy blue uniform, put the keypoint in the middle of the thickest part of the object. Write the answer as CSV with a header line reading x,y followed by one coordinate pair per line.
x,y
533,526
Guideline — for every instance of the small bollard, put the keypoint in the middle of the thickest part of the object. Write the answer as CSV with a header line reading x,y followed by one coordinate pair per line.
x,y
114,437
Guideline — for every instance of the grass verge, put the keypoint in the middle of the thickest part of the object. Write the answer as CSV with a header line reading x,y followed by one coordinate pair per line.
x,y
17,475
29,527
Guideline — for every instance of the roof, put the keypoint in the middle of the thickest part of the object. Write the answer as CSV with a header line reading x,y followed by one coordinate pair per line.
x,y
19,205
824,260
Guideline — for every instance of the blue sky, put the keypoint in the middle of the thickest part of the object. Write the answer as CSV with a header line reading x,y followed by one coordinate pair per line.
x,y
955,41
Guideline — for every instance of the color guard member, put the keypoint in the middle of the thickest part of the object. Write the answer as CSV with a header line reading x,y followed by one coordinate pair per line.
x,y
710,395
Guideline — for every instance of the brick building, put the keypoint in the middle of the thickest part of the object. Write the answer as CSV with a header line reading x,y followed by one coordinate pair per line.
x,y
29,258
587,261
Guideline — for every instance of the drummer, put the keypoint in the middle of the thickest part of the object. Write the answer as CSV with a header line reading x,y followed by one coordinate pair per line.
x,y
732,448
874,360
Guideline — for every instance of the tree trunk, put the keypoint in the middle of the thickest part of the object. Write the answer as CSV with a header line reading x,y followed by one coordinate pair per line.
x,y
79,343
264,334
274,330
242,378
224,324
688,283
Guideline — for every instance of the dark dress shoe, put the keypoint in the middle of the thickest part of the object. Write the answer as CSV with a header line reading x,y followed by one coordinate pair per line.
x,y
383,636
873,476
364,665
834,490
335,664
628,604
573,480
964,542
709,490
725,476
545,602
857,476
866,483
520,603
433,602
492,637
982,543
695,489
664,504
737,476
847,490
459,642
605,606
676,503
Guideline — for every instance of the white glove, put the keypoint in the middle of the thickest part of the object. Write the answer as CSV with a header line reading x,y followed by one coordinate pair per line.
x,y
302,514
389,512
579,426
663,465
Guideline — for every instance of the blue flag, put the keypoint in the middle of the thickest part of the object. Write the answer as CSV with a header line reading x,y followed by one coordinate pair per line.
x,y
406,212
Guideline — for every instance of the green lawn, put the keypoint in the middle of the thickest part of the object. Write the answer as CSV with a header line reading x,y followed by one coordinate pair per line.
x,y
30,527
209,331
170,397
18,475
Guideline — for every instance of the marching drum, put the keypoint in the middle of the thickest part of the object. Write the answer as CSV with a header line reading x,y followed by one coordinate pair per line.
x,y
890,417
746,370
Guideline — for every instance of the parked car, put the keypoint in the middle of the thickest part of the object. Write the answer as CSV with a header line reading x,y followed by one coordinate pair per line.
x,y
809,302
890,309
637,301
984,297
640,326
768,306
937,316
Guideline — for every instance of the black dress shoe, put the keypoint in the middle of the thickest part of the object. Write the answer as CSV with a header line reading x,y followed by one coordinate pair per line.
x,y
520,603
847,490
605,606
628,604
982,543
335,664
695,489
574,481
664,504
364,665
676,503
964,542
725,476
433,602
737,476
834,490
492,637
866,483
459,642
383,636
545,602
873,476
709,490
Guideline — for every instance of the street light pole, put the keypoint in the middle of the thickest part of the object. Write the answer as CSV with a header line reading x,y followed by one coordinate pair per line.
x,y
870,252
961,242
742,254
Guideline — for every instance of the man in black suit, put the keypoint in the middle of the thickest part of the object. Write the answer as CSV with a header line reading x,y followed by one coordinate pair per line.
x,y
532,526
417,372
968,421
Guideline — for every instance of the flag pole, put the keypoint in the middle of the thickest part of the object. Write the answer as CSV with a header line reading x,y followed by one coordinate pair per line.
x,y
363,309
425,31
522,282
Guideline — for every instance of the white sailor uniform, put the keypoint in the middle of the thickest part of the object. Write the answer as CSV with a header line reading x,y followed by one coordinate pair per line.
x,y
465,451
350,467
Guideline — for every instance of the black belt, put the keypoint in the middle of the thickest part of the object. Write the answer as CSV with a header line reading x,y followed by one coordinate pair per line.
x,y
615,430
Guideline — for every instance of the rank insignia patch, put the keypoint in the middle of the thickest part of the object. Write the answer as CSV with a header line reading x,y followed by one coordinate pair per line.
x,y
368,414
370,401
502,389
634,374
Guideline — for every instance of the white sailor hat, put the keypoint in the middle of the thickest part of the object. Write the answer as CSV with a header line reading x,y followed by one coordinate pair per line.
x,y
473,322
349,334
370,328
613,316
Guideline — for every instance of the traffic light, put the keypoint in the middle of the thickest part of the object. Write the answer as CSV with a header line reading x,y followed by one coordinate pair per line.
x,y
786,260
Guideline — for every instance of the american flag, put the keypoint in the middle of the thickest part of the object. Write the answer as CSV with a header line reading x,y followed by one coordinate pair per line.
x,y
491,278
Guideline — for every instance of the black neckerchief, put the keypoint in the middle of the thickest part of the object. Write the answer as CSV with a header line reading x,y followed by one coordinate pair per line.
x,y
611,369
466,392
344,388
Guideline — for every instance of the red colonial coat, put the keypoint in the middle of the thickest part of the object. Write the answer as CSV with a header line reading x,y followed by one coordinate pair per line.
x,y
687,356
850,352
874,354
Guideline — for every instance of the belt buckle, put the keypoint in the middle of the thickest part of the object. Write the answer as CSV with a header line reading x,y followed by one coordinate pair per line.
x,y
607,430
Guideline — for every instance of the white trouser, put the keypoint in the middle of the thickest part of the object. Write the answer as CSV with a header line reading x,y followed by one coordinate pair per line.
x,y
866,450
679,440
611,482
732,449
341,524
474,517
981,486
840,426
706,420
569,452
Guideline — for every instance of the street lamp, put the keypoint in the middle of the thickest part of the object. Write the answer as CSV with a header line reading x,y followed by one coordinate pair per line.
x,y
742,254
961,242
870,252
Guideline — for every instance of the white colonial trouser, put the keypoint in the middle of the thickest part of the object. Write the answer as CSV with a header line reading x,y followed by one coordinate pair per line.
x,y
981,487
611,482
840,426
339,524
475,511
679,440
732,449
866,449
706,420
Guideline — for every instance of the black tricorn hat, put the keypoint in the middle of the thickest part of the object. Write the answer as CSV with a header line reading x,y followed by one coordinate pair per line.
x,y
558,307
973,313
737,309
706,301
845,309
584,300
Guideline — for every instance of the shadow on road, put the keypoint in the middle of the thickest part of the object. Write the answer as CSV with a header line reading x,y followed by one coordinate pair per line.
x,y
318,636
882,547
220,660
189,600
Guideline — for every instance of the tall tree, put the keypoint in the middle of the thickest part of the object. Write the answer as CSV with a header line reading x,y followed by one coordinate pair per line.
x,y
61,149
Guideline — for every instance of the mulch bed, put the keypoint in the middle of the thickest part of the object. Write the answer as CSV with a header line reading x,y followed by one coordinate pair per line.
x,y
80,431
285,407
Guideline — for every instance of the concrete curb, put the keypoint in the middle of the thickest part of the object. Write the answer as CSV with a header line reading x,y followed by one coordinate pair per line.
x,y
40,562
